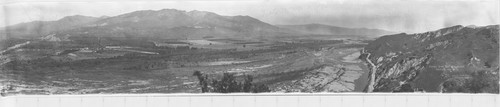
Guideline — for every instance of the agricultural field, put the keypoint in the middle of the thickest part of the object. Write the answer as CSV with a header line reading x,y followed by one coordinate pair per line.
x,y
284,66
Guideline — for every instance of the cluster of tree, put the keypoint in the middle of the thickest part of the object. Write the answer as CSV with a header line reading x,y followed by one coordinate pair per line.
x,y
50,63
481,81
29,65
309,44
286,76
228,83
5,43
41,45
5,89
147,65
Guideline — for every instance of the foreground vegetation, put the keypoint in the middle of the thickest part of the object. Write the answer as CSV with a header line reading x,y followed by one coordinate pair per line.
x,y
228,84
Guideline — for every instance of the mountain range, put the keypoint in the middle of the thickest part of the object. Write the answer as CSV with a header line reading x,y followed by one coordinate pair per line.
x,y
453,59
41,28
320,29
175,24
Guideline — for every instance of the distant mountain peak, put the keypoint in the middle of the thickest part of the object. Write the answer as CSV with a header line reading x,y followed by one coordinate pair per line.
x,y
246,18
456,27
171,10
76,17
471,26
197,13
173,23
317,24
439,32
168,13
102,17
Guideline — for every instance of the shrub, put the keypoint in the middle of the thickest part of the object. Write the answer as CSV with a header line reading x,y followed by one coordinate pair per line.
x,y
228,84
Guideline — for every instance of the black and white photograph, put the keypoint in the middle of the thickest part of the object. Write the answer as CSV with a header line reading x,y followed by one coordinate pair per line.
x,y
250,46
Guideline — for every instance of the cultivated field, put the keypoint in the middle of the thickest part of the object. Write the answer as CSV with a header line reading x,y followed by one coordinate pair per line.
x,y
285,66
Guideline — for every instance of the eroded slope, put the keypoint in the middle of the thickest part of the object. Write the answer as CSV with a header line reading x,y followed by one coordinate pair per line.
x,y
454,59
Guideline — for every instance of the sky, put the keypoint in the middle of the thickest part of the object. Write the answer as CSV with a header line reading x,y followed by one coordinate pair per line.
x,y
410,16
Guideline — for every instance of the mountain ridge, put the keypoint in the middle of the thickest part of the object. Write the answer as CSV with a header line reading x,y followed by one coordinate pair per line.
x,y
164,23
40,28
322,29
452,59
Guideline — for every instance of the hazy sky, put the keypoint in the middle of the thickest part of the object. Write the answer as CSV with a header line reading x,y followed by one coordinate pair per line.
x,y
396,15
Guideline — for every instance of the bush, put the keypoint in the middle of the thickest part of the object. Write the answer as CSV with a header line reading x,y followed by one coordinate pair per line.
x,y
228,84
478,82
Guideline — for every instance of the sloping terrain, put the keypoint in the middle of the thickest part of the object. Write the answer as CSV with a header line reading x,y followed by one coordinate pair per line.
x,y
334,70
178,24
175,24
453,59
166,23
284,66
38,28
157,51
319,29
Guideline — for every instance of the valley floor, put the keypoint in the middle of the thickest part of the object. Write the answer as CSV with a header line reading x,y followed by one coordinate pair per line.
x,y
305,66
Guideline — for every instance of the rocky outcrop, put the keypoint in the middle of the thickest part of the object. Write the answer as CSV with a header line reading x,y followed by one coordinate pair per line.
x,y
454,59
55,38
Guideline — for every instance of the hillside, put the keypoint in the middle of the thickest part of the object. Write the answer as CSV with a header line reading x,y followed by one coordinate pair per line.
x,y
453,59
178,24
166,23
320,29
38,28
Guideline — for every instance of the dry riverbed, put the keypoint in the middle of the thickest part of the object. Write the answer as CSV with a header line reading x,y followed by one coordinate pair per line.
x,y
340,71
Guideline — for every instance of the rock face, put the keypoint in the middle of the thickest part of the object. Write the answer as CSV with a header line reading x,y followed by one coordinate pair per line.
x,y
453,59
55,38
